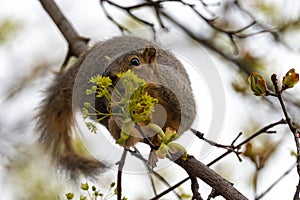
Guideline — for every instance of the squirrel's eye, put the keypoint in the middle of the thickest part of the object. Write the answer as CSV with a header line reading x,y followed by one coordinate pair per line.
x,y
134,62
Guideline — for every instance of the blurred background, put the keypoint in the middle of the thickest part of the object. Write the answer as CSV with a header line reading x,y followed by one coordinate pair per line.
x,y
239,37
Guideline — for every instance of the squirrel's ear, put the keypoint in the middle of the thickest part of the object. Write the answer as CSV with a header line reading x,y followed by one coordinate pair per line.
x,y
149,54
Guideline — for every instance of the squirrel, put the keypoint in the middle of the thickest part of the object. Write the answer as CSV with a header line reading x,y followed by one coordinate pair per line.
x,y
167,81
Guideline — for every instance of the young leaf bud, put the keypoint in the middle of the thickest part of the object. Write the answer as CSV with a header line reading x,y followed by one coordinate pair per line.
x,y
290,79
258,84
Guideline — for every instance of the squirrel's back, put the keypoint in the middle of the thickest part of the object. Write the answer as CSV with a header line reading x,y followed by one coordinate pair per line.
x,y
66,95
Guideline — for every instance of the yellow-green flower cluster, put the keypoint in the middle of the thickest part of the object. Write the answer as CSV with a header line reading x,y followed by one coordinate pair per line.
x,y
130,104
100,87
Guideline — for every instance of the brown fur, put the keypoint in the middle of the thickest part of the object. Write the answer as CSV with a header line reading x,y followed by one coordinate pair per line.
x,y
167,80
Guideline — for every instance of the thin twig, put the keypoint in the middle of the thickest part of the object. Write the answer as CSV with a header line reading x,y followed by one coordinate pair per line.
x,y
210,4
170,189
262,130
138,155
275,182
119,179
207,5
231,147
259,132
274,33
128,9
292,128
158,8
231,34
121,27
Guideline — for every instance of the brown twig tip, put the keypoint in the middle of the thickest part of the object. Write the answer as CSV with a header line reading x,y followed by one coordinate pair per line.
x,y
274,79
259,132
232,147
236,138
198,133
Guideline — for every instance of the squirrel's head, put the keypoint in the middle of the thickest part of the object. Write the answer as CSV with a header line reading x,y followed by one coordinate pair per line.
x,y
140,59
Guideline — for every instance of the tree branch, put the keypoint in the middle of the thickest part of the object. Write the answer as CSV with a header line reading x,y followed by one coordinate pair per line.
x,y
77,44
170,189
197,169
292,128
195,188
230,147
259,132
138,155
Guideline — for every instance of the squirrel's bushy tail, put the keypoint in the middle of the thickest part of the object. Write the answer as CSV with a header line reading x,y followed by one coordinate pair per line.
x,y
55,125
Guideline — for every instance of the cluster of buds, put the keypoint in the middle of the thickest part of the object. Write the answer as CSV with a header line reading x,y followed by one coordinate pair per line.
x,y
259,87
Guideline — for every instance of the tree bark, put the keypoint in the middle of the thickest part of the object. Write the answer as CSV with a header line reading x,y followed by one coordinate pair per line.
x,y
206,174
